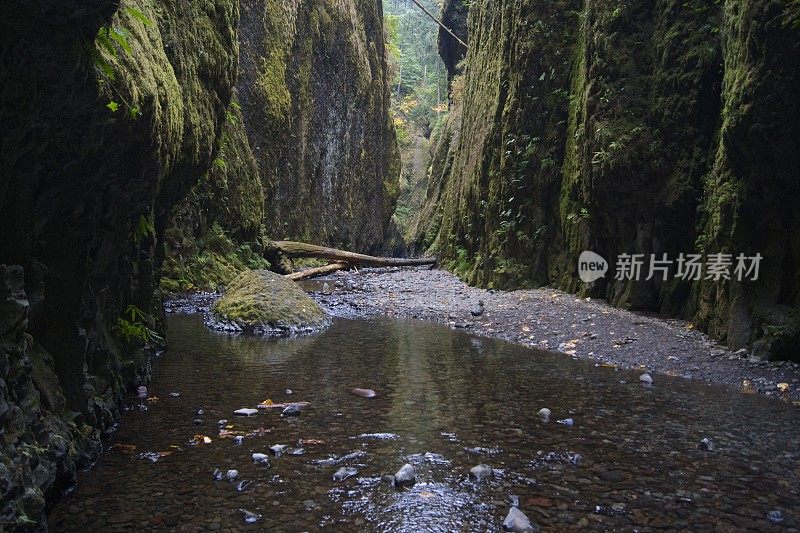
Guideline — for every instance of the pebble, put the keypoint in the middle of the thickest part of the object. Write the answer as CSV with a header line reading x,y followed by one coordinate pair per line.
x,y
517,522
250,518
291,410
217,474
201,412
232,474
481,471
261,458
243,485
174,394
364,393
406,476
238,440
706,444
544,413
567,422
775,517
278,449
645,378
246,412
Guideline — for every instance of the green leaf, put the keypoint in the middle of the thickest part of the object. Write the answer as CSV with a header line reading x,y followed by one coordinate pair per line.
x,y
141,17
219,163
105,42
113,106
134,112
120,36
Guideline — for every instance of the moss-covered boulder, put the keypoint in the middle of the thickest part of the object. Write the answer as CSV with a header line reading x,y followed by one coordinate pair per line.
x,y
260,301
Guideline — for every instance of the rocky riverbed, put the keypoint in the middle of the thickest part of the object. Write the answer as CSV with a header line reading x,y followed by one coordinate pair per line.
x,y
554,320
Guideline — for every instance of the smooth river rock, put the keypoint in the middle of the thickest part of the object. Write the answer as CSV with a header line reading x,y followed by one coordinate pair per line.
x,y
406,476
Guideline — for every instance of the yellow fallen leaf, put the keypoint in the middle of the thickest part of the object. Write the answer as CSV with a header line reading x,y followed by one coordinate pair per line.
x,y
229,426
747,387
152,399
125,448
202,438
426,495
783,387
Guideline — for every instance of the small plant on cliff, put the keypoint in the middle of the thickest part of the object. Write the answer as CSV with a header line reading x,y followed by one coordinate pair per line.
x,y
135,324
106,46
144,228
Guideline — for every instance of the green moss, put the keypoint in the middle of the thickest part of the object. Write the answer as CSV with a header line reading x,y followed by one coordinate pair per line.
x,y
263,300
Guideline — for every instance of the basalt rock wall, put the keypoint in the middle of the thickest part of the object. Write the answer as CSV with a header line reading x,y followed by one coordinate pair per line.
x,y
660,127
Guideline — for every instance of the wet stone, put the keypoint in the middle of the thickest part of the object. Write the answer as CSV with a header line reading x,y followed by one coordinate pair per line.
x,y
406,476
344,473
481,472
517,522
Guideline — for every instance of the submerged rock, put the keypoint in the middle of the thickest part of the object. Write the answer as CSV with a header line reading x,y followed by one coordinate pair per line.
x,y
364,393
344,473
260,301
544,413
517,522
232,474
646,379
481,471
406,476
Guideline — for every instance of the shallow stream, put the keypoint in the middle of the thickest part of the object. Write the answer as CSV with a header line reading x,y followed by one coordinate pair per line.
x,y
446,402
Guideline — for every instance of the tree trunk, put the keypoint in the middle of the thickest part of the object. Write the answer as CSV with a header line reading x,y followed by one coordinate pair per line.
x,y
317,272
301,249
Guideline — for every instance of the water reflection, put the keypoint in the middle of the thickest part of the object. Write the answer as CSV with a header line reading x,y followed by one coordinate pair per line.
x,y
450,401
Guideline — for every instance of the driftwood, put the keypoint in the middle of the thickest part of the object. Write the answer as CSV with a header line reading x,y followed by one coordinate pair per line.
x,y
300,249
280,253
317,272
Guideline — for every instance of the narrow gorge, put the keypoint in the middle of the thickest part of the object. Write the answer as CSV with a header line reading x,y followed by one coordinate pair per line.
x,y
155,153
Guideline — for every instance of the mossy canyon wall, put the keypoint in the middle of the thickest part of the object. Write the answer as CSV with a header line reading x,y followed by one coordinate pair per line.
x,y
123,131
309,137
637,127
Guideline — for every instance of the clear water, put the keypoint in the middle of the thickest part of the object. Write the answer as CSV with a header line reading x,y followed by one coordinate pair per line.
x,y
449,401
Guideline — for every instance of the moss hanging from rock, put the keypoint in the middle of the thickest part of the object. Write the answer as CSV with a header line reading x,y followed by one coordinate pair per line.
x,y
637,128
87,187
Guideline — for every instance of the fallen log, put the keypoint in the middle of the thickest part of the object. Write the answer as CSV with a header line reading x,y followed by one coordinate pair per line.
x,y
317,272
300,249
